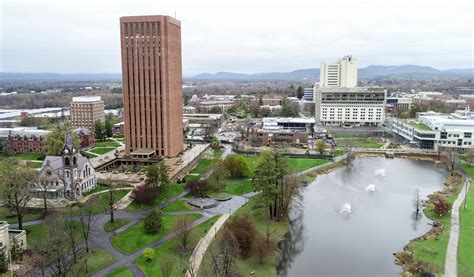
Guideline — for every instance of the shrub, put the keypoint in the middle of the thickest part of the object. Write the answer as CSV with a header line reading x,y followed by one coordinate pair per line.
x,y
144,194
148,254
244,233
153,222
442,207
198,187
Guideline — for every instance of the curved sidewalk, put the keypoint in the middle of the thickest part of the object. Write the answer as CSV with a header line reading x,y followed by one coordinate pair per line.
x,y
201,248
450,266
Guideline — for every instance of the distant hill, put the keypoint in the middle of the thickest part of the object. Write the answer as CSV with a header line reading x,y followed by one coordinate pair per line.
x,y
55,77
302,74
313,73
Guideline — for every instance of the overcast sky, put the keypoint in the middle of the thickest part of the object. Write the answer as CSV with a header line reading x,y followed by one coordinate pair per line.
x,y
241,36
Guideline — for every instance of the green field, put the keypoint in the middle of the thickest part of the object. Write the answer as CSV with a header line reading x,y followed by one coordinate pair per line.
x,y
33,214
106,144
118,222
180,205
98,187
238,186
101,151
466,236
30,156
135,237
102,200
97,259
170,250
122,271
172,190
36,233
359,143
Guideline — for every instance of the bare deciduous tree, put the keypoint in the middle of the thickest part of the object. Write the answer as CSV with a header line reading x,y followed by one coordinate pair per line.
x,y
88,221
167,266
182,229
223,259
16,182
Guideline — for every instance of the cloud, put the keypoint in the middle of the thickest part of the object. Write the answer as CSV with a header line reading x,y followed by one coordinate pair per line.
x,y
243,36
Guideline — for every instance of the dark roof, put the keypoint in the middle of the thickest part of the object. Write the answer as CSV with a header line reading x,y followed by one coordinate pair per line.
x,y
69,143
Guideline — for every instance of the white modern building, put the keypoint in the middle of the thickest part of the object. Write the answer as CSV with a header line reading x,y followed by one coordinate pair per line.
x,y
438,131
340,74
350,107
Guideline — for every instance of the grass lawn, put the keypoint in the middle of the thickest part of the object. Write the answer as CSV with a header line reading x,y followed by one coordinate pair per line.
x,y
204,164
98,187
97,260
36,233
172,190
110,143
360,143
338,153
30,156
257,213
220,196
301,164
87,155
466,236
433,251
135,237
102,200
180,205
34,164
122,271
294,164
238,186
118,222
170,250
31,215
100,151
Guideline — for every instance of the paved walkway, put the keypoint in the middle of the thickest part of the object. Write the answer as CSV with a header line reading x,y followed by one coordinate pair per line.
x,y
450,266
201,248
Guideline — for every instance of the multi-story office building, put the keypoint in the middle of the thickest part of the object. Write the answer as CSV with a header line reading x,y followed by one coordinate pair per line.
x,y
437,131
309,94
399,103
350,107
152,85
86,110
340,74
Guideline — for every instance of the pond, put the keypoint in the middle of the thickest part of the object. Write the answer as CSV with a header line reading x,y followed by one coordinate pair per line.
x,y
351,221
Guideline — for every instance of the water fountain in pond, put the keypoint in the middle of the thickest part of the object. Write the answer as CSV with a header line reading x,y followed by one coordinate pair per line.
x,y
370,187
346,208
380,172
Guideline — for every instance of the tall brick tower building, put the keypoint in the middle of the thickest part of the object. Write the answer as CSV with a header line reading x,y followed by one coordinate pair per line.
x,y
152,85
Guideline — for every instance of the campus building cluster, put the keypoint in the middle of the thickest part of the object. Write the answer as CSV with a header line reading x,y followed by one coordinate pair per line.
x,y
340,103
437,131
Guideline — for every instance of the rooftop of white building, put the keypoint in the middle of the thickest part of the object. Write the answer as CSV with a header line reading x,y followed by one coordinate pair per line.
x,y
86,99
461,121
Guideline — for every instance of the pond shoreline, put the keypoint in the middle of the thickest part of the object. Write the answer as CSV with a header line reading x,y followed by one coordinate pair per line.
x,y
312,176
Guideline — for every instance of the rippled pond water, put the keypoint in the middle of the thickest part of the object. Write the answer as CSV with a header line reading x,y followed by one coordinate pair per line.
x,y
351,221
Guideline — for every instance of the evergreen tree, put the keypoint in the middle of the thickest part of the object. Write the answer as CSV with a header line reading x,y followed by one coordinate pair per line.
x,y
153,222
299,92
108,128
99,130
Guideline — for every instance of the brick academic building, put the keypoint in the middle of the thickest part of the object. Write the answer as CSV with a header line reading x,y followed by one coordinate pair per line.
x,y
152,85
